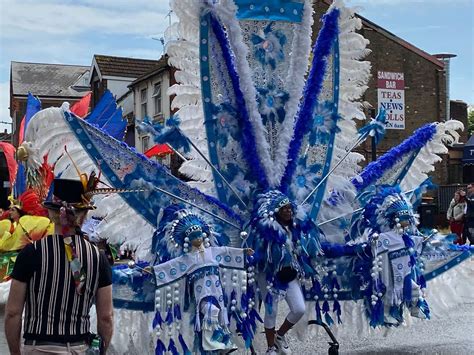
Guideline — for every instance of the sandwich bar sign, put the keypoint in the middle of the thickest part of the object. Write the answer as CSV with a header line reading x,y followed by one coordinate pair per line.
x,y
391,97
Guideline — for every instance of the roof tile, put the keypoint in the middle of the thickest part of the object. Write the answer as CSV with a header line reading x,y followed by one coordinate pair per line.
x,y
124,67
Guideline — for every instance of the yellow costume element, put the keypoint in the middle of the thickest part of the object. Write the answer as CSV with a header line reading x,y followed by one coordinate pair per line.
x,y
27,230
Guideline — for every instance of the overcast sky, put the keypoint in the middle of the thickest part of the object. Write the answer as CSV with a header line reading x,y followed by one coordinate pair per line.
x,y
72,31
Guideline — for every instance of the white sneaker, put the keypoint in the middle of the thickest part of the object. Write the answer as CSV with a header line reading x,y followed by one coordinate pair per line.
x,y
282,344
271,351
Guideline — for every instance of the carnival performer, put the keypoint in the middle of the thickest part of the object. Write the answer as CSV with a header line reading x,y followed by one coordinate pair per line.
x,y
213,291
61,272
26,222
455,214
285,249
396,246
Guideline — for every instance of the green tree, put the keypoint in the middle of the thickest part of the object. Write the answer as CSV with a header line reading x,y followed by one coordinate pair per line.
x,y
470,122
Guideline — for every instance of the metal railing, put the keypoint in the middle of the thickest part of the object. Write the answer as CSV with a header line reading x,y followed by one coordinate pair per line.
x,y
446,194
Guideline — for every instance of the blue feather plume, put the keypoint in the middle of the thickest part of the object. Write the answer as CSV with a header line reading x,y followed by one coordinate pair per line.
x,y
177,312
376,127
375,170
172,348
169,316
313,87
327,317
160,348
248,143
172,134
185,348
424,308
157,321
317,309
337,309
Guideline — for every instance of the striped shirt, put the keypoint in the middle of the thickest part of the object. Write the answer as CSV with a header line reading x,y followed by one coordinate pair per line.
x,y
54,311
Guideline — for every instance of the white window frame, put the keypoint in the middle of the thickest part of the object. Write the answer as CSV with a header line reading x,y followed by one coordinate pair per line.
x,y
145,143
143,102
157,98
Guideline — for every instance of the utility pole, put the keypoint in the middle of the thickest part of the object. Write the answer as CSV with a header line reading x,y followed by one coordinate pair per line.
x,y
373,149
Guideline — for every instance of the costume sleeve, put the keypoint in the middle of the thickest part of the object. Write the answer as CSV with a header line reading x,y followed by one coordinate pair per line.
x,y
172,270
229,257
105,271
25,264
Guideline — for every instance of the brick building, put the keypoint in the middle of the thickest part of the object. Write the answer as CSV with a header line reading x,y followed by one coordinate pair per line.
x,y
424,85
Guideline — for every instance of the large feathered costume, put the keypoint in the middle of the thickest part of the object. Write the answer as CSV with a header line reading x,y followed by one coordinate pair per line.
x,y
258,119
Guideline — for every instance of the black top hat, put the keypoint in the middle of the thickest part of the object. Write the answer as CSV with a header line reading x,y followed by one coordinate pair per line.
x,y
69,191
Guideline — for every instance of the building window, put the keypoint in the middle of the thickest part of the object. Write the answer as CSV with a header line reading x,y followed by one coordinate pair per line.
x,y
143,101
145,143
165,160
157,98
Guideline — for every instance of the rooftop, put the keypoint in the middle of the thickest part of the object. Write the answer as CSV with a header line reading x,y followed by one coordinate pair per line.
x,y
122,66
49,80
161,65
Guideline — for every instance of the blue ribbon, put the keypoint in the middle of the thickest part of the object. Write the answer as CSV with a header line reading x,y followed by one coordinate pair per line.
x,y
376,127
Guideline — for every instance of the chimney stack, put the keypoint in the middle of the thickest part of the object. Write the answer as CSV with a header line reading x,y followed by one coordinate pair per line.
x,y
446,59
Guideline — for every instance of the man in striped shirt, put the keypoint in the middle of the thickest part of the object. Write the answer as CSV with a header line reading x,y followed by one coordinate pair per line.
x,y
56,280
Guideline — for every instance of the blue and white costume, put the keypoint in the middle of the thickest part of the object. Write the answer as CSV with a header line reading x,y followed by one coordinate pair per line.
x,y
204,279
396,247
285,254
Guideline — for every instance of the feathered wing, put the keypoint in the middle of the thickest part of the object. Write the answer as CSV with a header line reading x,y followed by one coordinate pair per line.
x,y
183,54
252,68
354,74
128,217
108,116
325,124
408,163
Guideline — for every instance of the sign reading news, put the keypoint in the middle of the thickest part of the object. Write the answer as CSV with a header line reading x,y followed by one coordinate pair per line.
x,y
391,97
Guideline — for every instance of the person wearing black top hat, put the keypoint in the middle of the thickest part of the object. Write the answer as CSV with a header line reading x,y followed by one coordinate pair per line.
x,y
57,279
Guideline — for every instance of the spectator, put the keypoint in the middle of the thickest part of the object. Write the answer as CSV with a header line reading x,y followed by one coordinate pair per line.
x,y
58,278
469,220
455,215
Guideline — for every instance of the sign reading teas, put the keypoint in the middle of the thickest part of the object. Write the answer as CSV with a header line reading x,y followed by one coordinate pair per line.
x,y
391,97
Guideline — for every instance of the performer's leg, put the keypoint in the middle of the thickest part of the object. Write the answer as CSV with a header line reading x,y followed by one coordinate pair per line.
x,y
270,336
295,300
269,320
269,323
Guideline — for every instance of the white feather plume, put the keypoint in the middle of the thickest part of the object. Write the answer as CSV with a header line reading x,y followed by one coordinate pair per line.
x,y
50,133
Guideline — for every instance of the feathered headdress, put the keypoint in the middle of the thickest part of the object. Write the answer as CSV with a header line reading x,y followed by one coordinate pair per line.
x,y
270,203
178,227
387,208
29,202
